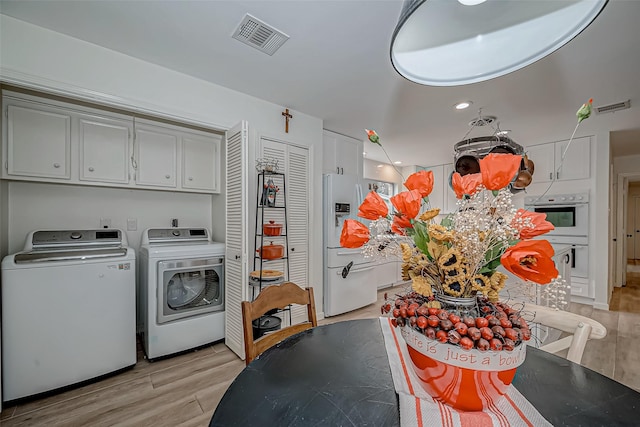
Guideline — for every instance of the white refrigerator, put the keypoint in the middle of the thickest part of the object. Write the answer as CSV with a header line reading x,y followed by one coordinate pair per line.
x,y
348,277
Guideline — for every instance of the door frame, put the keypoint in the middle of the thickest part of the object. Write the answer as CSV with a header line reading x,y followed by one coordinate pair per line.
x,y
622,192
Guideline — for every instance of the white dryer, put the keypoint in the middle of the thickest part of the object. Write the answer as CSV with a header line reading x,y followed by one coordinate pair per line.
x,y
181,290
68,310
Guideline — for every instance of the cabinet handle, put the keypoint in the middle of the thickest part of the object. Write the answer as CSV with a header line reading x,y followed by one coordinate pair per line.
x,y
558,175
550,175
237,256
167,176
293,249
91,169
338,170
190,178
56,165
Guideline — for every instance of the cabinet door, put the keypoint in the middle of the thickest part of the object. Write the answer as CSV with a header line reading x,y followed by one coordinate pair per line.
x,y
450,200
576,163
104,148
201,162
542,157
342,154
38,141
155,158
349,156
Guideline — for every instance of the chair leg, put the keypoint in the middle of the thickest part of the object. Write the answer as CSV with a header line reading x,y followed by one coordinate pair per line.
x,y
580,338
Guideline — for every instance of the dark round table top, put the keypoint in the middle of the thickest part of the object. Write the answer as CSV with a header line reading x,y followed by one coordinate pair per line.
x,y
338,375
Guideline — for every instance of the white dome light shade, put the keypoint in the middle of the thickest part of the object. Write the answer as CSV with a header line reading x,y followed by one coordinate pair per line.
x,y
446,43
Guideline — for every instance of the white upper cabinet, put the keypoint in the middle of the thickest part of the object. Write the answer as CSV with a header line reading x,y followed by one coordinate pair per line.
x,y
342,154
37,141
104,148
156,153
549,163
49,140
201,162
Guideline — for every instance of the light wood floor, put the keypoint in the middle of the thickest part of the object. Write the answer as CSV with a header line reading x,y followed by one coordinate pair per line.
x,y
627,298
184,390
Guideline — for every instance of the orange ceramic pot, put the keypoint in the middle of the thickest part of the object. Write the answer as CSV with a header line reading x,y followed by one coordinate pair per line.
x,y
468,380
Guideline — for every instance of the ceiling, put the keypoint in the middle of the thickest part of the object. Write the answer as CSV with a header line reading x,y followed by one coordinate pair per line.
x,y
336,66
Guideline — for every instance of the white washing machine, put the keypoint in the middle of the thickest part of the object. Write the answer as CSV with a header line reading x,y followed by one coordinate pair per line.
x,y
181,290
68,310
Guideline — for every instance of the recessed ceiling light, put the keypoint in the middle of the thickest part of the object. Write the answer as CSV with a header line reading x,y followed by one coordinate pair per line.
x,y
463,105
503,132
471,2
380,166
397,162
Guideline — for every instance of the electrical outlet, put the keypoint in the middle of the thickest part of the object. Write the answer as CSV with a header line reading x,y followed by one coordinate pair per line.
x,y
132,224
105,222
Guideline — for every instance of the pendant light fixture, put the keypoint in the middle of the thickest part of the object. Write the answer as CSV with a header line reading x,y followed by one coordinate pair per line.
x,y
450,43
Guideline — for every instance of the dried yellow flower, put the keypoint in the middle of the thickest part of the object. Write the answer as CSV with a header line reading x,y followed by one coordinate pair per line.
x,y
454,285
434,304
430,214
406,252
481,283
422,286
440,232
493,296
498,280
450,259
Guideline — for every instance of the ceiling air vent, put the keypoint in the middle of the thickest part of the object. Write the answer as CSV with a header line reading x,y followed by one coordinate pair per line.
x,y
259,35
613,107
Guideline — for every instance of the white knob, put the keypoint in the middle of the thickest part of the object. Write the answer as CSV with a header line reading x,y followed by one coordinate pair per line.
x,y
571,198
190,178
56,165
167,176
580,198
563,198
91,169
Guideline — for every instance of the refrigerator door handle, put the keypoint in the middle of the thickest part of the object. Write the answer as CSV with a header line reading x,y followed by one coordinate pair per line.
x,y
355,270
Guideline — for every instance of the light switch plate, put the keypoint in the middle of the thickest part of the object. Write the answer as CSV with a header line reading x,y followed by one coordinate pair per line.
x,y
132,224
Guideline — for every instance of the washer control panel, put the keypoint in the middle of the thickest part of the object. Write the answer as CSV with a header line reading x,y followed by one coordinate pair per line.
x,y
168,235
64,238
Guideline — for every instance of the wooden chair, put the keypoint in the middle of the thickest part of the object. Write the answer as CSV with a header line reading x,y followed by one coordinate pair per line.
x,y
275,296
580,327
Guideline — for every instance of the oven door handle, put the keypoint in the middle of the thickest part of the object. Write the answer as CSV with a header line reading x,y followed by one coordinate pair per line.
x,y
570,205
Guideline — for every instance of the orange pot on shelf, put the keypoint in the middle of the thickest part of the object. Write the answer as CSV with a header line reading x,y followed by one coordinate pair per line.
x,y
271,251
469,380
271,229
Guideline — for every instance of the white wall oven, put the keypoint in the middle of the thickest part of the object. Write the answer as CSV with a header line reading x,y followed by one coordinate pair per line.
x,y
569,213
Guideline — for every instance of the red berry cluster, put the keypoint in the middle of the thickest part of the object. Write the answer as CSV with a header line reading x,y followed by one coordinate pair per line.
x,y
496,327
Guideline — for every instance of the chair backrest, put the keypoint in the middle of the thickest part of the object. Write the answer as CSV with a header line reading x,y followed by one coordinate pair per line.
x,y
580,327
275,297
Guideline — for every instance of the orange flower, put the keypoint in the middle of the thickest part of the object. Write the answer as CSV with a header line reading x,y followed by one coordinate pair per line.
x,y
407,203
400,224
373,207
465,185
354,234
538,220
421,181
531,260
499,169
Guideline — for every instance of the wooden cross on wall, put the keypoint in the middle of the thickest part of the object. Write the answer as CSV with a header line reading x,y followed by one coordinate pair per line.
x,y
287,116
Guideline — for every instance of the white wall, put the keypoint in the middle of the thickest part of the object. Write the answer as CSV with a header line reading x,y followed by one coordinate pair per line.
x,y
38,206
36,58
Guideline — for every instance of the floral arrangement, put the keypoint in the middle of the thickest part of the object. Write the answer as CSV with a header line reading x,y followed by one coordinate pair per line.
x,y
456,257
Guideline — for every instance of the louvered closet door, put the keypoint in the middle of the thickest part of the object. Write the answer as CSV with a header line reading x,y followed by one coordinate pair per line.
x,y
236,270
294,162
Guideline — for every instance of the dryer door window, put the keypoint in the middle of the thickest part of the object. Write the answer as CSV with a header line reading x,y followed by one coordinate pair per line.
x,y
190,288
